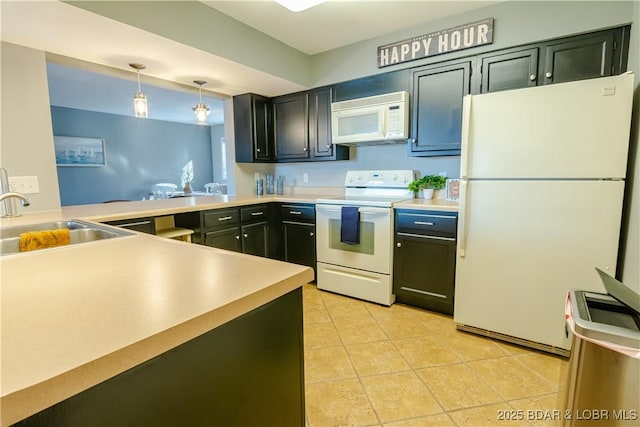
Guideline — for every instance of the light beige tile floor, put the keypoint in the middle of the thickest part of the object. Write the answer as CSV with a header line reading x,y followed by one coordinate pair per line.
x,y
370,365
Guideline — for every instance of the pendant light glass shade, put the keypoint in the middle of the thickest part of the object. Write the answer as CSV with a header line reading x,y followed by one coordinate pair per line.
x,y
201,110
140,108
140,105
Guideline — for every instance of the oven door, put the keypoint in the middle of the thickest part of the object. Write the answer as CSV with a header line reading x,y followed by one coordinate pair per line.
x,y
373,253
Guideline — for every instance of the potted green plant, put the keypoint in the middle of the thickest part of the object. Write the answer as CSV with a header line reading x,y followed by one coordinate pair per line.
x,y
428,184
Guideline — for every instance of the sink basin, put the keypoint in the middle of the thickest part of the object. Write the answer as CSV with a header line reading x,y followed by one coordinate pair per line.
x,y
79,232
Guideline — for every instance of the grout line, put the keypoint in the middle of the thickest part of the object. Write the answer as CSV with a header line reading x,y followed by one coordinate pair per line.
x,y
442,340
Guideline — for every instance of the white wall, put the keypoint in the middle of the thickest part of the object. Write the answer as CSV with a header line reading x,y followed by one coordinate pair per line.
x,y
331,174
631,250
26,144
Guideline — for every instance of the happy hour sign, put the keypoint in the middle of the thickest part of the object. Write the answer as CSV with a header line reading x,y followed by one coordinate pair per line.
x,y
450,40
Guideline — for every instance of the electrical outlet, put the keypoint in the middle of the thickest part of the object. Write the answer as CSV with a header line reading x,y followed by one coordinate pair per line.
x,y
24,184
305,178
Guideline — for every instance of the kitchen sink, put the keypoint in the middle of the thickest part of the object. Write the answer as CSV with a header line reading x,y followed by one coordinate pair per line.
x,y
79,232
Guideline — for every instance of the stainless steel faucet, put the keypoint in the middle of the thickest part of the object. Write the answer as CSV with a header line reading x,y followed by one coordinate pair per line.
x,y
6,196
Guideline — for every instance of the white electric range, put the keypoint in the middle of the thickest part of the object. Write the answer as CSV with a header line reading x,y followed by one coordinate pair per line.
x,y
363,270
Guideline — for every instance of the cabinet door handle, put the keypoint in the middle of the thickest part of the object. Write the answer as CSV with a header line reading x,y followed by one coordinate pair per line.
x,y
295,213
245,235
328,146
532,77
422,223
237,237
257,213
257,150
548,75
305,149
399,244
311,234
225,218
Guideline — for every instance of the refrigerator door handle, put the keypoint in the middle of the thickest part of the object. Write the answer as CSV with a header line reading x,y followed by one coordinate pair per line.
x,y
462,219
466,121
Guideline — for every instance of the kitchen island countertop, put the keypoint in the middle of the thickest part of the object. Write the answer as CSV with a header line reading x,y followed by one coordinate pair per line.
x,y
75,316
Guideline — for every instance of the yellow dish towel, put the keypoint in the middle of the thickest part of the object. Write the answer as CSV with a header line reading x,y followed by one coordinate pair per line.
x,y
32,240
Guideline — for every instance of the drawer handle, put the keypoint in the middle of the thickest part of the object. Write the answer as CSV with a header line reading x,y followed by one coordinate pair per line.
x,y
422,223
225,218
295,212
257,213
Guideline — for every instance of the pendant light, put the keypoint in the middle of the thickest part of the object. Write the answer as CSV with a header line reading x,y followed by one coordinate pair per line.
x,y
201,110
139,100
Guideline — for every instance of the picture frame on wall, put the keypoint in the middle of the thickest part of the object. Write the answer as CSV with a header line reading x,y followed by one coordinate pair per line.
x,y
79,151
452,191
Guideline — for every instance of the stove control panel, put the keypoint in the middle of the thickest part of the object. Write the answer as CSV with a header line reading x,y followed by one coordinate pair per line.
x,y
379,178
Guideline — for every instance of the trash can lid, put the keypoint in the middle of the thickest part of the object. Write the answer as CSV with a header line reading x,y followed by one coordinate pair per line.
x,y
602,319
620,291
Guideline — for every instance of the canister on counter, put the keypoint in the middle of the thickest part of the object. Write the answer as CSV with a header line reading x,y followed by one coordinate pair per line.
x,y
280,185
269,183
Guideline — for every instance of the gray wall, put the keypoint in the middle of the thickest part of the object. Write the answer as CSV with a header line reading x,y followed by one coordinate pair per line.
x,y
139,154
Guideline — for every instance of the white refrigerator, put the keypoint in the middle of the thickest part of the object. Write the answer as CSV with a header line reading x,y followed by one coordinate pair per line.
x,y
542,182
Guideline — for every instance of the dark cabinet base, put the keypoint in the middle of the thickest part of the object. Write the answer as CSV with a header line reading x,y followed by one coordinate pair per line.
x,y
248,372
424,259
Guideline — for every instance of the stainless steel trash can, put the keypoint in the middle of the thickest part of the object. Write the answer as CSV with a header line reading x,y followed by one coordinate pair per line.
x,y
601,382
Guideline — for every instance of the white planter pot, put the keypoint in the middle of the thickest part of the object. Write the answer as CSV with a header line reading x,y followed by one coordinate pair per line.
x,y
427,193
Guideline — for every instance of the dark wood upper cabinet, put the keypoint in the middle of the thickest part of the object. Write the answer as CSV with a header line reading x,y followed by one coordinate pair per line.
x,y
297,127
437,93
253,124
511,69
320,123
580,58
291,128
288,128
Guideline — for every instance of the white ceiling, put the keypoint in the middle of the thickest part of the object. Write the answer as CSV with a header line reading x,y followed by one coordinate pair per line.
x,y
72,32
338,23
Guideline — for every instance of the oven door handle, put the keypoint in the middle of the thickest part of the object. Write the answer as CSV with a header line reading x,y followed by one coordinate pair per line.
x,y
362,210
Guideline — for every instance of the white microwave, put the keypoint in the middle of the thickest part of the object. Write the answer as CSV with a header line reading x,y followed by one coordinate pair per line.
x,y
381,119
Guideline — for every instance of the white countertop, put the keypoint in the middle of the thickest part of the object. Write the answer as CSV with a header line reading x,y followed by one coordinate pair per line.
x,y
430,204
78,315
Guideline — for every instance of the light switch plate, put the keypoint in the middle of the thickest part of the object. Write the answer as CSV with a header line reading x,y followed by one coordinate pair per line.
x,y
24,184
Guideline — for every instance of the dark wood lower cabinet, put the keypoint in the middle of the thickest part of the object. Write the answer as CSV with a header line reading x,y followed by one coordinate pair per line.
x,y
228,239
254,239
144,225
424,275
247,372
424,259
300,243
299,233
